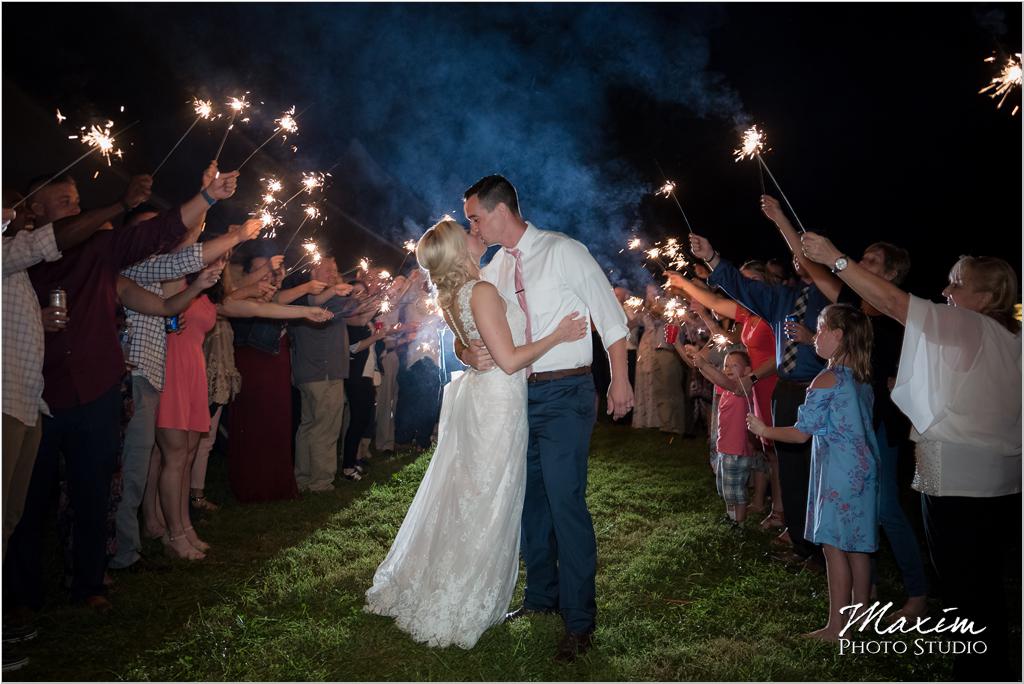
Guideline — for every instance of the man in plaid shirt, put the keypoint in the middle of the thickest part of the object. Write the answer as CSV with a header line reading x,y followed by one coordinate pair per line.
x,y
146,355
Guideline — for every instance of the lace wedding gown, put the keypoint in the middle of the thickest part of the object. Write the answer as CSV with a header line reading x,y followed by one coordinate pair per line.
x,y
452,568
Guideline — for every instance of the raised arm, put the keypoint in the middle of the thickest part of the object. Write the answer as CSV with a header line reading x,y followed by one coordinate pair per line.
x,y
720,305
760,298
822,277
312,287
247,308
489,312
878,292
138,299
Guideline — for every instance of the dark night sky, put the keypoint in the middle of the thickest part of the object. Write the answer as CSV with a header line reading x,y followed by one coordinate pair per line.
x,y
871,110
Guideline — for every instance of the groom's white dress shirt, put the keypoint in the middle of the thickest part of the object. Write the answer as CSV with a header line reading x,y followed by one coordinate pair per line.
x,y
559,277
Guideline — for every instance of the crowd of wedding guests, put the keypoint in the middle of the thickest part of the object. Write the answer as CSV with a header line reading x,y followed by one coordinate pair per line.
x,y
817,383
133,337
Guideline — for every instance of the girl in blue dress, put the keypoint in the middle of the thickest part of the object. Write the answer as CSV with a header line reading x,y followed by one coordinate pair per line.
x,y
842,498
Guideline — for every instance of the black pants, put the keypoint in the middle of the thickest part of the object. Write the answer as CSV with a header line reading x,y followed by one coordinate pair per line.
x,y
89,436
794,465
362,402
419,403
967,538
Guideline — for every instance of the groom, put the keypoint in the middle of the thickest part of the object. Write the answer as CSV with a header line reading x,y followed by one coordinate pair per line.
x,y
551,275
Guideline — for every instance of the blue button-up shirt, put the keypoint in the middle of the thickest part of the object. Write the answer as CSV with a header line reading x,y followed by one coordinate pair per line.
x,y
773,303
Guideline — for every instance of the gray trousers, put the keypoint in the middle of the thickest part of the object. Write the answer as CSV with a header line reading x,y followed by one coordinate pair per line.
x,y
139,437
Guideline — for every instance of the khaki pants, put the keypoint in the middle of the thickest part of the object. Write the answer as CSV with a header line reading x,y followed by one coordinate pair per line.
x,y
316,442
20,446
387,397
669,398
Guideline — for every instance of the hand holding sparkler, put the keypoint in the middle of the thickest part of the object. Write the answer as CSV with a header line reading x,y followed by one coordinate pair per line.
x,y
139,190
249,230
209,174
223,186
819,249
756,425
701,248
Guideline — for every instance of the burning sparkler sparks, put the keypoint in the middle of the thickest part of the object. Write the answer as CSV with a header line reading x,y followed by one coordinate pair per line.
x,y
311,212
273,185
410,246
634,302
202,108
1003,83
385,305
364,264
100,139
236,106
60,118
667,189
634,243
752,145
384,276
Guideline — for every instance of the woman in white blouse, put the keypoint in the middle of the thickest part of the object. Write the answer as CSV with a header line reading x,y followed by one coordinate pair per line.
x,y
959,382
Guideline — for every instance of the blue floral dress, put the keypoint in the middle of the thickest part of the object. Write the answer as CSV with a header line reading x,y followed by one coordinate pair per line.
x,y
842,496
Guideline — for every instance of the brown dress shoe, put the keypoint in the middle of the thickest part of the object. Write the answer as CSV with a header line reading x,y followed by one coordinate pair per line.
x,y
99,603
523,611
573,645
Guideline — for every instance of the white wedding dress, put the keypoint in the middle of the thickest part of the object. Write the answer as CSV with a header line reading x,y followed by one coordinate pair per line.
x,y
453,566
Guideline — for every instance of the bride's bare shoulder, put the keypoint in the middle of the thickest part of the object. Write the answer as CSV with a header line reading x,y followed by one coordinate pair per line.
x,y
485,294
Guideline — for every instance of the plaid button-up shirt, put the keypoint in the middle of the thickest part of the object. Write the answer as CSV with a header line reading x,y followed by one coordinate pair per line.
x,y
147,337
23,324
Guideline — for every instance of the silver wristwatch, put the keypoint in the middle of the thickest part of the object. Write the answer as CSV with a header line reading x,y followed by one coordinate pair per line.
x,y
841,263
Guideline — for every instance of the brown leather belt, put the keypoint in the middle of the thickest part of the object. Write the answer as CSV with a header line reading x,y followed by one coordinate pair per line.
x,y
558,374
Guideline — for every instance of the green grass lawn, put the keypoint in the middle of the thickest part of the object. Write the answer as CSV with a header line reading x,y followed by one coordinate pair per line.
x,y
680,596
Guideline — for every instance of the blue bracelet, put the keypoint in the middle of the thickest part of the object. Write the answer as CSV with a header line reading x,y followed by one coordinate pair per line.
x,y
206,196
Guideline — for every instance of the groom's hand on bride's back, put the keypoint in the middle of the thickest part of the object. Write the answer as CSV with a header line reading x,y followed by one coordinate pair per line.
x,y
477,356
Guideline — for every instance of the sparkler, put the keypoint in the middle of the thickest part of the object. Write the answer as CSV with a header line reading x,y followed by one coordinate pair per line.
x,y
92,148
237,106
364,266
312,255
287,124
100,139
60,118
385,305
634,302
751,148
312,212
669,190
311,180
203,110
1005,81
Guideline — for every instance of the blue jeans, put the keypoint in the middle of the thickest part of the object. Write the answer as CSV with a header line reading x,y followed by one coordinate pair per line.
x,y
894,521
139,438
559,545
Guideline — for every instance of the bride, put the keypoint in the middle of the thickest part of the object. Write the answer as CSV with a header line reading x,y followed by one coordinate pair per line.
x,y
452,568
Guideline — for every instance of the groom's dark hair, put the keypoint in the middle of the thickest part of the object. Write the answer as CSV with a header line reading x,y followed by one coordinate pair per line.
x,y
493,189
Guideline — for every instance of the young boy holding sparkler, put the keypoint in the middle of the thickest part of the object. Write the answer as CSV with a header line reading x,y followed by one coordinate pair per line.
x,y
736,456
842,502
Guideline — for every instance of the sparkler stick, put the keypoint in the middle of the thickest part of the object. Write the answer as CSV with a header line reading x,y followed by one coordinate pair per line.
x,y
203,109
311,212
310,182
236,106
669,190
287,123
783,194
751,148
69,166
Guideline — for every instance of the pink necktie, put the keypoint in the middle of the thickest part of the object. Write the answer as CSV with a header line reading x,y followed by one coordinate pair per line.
x,y
521,295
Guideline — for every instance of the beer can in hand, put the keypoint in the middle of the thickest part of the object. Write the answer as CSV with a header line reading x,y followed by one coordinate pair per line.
x,y
59,298
172,324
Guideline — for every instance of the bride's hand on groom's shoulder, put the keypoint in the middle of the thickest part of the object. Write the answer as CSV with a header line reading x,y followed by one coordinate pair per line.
x,y
573,327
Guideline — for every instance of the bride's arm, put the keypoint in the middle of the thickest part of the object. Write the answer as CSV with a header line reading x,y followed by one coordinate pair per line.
x,y
489,312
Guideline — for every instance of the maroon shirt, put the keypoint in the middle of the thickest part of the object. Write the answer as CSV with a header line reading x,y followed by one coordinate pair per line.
x,y
84,360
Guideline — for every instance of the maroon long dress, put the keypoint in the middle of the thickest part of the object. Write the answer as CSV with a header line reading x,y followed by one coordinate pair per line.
x,y
260,464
